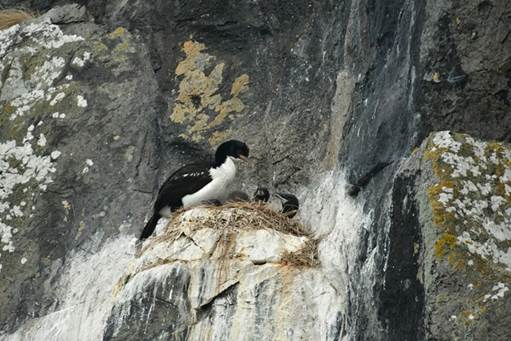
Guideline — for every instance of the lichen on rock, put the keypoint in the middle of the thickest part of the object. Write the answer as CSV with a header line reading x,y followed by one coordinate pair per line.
x,y
199,105
466,225
28,84
472,200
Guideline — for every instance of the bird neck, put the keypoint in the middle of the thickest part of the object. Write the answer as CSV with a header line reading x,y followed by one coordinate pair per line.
x,y
219,159
225,171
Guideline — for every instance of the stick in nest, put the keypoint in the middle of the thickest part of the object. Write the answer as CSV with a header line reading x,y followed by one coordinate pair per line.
x,y
307,256
234,216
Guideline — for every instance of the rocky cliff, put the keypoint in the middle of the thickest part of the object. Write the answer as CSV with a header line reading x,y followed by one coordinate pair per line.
x,y
389,119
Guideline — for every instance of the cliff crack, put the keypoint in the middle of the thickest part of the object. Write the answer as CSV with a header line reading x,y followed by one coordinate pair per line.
x,y
227,292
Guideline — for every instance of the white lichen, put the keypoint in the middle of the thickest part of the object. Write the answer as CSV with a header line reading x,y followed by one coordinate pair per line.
x,y
80,62
42,141
498,292
483,215
20,168
55,154
81,101
59,97
22,90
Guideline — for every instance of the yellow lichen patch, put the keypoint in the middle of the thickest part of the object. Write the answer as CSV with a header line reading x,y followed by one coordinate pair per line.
x,y
199,105
118,32
240,85
194,57
436,77
218,137
445,244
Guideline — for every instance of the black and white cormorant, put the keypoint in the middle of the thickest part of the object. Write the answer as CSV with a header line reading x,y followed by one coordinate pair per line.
x,y
290,204
197,183
261,194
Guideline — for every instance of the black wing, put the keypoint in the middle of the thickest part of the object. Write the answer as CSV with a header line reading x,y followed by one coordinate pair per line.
x,y
186,180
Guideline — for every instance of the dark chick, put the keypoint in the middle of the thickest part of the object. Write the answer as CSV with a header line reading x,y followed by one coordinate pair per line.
x,y
261,194
290,204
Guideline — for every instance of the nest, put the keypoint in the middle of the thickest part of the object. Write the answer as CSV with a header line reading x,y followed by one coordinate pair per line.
x,y
238,216
306,256
11,17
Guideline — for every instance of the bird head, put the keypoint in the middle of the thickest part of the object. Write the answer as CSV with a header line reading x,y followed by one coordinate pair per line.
x,y
261,194
290,203
234,149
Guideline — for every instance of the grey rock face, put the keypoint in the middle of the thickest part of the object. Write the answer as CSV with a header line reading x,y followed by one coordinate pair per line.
x,y
326,94
73,115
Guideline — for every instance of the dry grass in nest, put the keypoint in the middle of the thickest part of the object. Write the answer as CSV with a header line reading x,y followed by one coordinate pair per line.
x,y
232,217
306,256
252,216
11,17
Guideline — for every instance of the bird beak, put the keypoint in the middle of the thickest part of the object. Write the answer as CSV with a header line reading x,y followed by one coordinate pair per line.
x,y
244,158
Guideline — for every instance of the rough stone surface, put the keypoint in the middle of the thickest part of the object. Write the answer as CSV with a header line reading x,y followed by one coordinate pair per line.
x,y
213,283
328,95
460,189
74,107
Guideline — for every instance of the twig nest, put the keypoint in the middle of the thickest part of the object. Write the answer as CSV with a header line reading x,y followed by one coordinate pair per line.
x,y
239,230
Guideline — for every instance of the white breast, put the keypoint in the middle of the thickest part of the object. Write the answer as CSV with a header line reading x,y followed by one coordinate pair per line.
x,y
217,189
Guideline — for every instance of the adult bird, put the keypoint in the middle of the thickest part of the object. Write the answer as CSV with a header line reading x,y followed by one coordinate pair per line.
x,y
197,183
290,204
261,194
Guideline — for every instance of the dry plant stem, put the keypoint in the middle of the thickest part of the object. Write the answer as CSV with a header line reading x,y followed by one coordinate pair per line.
x,y
11,17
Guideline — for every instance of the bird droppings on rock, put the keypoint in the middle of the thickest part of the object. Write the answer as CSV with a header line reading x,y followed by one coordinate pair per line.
x,y
244,250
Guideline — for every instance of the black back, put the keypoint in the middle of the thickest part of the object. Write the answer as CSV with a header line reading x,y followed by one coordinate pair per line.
x,y
186,180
